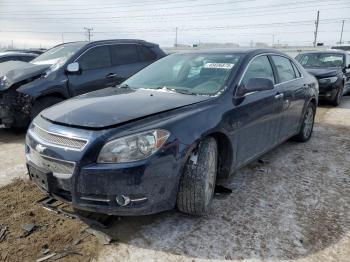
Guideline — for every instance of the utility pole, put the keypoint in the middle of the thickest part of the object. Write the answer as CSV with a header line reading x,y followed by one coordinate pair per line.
x,y
273,40
62,38
341,34
316,30
89,33
175,37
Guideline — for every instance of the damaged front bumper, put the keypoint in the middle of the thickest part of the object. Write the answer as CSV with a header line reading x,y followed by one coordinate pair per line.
x,y
15,108
329,91
73,176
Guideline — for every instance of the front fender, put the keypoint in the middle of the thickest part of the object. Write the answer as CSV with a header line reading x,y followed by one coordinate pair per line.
x,y
43,86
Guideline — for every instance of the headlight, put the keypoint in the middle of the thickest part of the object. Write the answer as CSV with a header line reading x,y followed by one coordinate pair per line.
x,y
328,80
133,148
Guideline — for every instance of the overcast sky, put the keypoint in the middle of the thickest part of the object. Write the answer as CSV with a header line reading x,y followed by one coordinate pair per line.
x,y
34,23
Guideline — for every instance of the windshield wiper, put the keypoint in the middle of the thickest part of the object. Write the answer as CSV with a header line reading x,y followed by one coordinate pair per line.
x,y
183,91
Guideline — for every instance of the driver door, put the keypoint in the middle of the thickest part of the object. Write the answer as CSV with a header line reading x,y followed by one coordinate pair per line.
x,y
258,115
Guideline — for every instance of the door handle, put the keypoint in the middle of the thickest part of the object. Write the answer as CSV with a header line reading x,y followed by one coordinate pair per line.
x,y
111,75
278,96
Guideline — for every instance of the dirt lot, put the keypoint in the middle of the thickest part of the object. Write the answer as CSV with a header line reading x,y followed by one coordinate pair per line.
x,y
294,206
52,234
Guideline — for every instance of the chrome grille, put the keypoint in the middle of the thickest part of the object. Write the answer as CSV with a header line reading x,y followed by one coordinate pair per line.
x,y
59,140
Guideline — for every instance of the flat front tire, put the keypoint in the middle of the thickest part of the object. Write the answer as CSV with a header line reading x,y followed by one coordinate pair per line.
x,y
307,125
197,184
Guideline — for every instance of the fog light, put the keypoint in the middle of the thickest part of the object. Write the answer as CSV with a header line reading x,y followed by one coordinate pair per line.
x,y
123,200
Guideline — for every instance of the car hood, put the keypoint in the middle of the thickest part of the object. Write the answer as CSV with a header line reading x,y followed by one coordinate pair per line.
x,y
112,106
17,71
323,72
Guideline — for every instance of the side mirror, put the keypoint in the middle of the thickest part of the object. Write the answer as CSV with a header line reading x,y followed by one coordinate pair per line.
x,y
73,67
254,85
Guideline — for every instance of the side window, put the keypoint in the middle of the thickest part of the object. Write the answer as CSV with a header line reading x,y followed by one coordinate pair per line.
x,y
260,67
95,58
124,54
284,68
296,70
146,54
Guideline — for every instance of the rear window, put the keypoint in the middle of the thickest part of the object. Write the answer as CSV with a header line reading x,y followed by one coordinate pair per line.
x,y
146,54
124,54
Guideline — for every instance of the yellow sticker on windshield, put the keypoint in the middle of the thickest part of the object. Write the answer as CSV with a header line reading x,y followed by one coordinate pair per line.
x,y
219,65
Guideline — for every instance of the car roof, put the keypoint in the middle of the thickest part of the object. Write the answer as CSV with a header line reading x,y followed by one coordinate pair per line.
x,y
16,53
330,51
112,41
246,51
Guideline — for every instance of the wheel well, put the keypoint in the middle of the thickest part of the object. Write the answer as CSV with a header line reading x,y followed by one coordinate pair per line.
x,y
313,101
225,154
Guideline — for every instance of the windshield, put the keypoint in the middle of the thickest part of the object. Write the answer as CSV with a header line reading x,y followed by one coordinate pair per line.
x,y
59,53
321,60
198,74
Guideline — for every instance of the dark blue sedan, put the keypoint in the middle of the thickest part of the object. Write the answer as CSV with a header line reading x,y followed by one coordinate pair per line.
x,y
164,137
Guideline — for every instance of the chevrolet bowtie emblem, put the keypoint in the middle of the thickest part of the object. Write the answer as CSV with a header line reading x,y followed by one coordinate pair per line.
x,y
40,148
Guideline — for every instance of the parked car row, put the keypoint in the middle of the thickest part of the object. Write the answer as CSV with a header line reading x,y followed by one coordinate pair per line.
x,y
150,140
17,56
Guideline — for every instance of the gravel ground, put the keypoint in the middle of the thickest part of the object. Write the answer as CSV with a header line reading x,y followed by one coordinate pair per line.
x,y
295,206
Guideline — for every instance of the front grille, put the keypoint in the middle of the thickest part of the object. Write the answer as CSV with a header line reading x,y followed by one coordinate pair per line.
x,y
59,140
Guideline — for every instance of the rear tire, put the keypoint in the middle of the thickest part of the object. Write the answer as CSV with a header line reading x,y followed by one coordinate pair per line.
x,y
307,126
197,184
337,99
43,103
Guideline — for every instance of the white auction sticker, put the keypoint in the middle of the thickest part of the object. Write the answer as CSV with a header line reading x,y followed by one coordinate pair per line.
x,y
219,65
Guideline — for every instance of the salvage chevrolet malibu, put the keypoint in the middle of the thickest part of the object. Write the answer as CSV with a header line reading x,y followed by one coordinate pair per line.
x,y
166,135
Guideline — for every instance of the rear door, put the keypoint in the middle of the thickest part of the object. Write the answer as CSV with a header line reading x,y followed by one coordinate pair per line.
x,y
258,114
95,69
291,87
126,60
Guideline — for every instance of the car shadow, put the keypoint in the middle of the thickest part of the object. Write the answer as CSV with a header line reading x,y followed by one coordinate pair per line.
x,y
293,203
344,104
